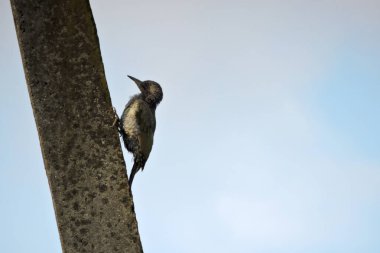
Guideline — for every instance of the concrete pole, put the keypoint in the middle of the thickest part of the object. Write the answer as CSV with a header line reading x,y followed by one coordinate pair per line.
x,y
73,113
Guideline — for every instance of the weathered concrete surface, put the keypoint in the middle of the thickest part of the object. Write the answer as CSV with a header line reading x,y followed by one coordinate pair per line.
x,y
73,113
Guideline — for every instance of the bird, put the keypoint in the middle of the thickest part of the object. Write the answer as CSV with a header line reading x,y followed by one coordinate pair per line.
x,y
138,123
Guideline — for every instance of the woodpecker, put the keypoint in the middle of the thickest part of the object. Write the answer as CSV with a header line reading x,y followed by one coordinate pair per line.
x,y
138,123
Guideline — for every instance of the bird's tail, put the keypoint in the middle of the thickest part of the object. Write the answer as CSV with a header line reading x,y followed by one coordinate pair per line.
x,y
135,168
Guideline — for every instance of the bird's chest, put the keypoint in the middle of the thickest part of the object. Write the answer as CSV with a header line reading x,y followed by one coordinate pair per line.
x,y
139,119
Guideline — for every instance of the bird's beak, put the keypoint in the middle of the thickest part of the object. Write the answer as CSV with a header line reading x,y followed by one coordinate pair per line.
x,y
138,83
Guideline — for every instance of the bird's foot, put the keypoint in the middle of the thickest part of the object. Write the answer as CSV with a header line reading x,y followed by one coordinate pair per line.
x,y
116,121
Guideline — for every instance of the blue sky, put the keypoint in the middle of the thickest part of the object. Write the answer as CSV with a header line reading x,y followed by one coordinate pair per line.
x,y
267,138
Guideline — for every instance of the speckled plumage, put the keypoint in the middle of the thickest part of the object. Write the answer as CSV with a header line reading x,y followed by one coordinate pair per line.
x,y
138,123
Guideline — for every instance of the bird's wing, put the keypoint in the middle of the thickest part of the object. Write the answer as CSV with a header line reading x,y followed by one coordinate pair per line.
x,y
146,123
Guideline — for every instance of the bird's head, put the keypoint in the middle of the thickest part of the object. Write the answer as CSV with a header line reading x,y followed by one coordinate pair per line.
x,y
150,91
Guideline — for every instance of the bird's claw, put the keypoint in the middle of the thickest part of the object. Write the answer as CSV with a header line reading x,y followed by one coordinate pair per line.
x,y
116,121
